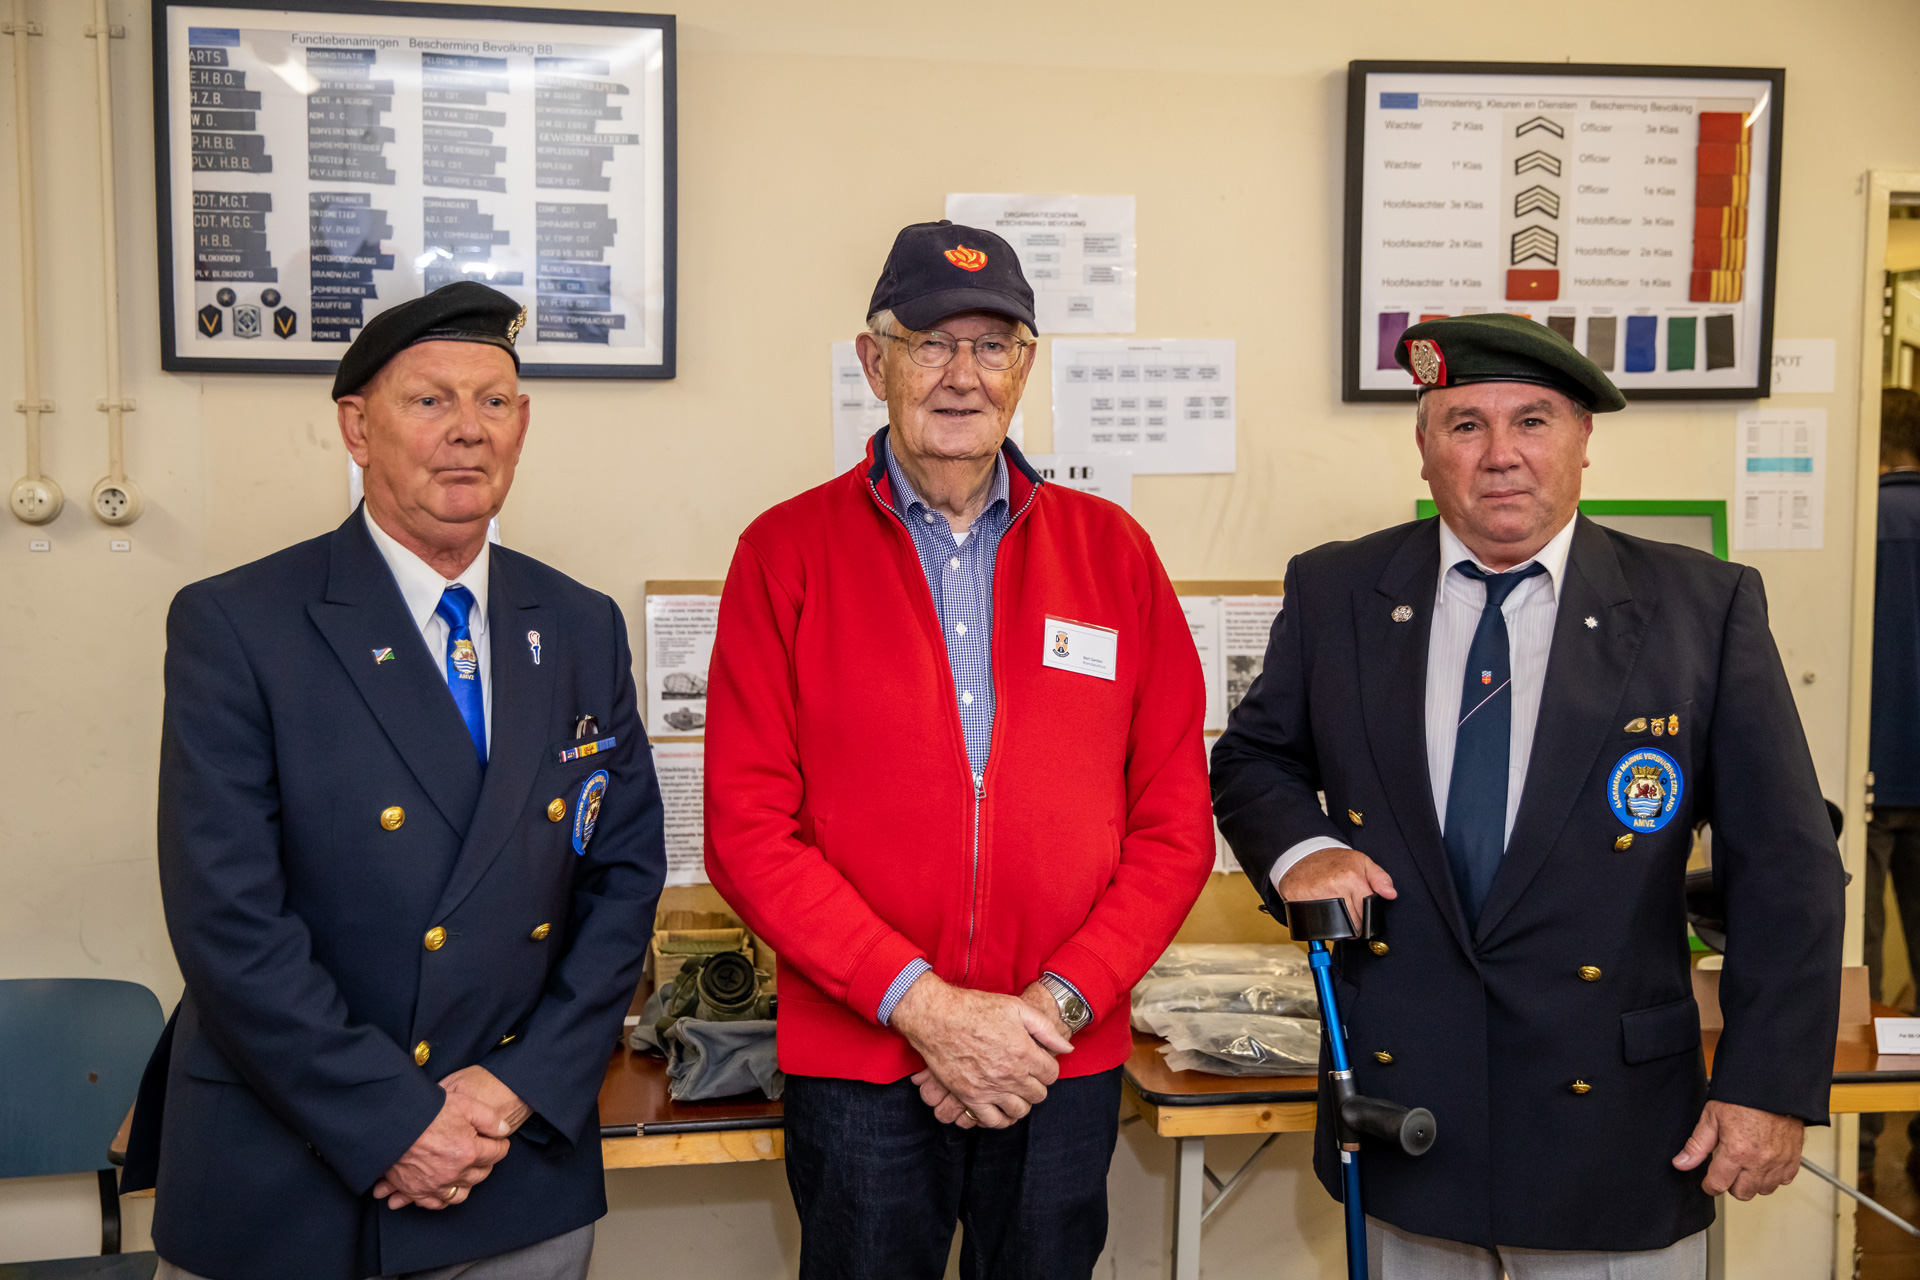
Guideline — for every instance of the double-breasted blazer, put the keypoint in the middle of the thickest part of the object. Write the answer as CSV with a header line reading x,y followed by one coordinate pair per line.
x,y
360,909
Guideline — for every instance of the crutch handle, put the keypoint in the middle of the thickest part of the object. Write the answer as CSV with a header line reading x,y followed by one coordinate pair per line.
x,y
1410,1128
1328,920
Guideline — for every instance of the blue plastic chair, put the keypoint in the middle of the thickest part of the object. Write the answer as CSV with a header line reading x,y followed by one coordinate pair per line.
x,y
74,1052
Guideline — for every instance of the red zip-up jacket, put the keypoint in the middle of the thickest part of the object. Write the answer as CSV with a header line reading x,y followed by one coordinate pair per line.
x,y
842,820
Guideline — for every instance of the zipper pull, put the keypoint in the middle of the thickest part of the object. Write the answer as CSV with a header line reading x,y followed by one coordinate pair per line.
x,y
979,786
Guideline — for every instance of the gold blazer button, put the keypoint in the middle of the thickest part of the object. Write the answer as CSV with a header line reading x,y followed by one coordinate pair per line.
x,y
392,816
540,931
1378,948
1624,842
436,938
421,1053
556,809
1384,1058
1580,1087
1589,973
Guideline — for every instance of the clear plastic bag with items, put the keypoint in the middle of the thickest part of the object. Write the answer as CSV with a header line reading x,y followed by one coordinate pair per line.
x,y
1288,995
1239,1044
1184,959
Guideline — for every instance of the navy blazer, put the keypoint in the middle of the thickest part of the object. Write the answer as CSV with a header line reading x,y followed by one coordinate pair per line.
x,y
1895,751
316,1022
1578,971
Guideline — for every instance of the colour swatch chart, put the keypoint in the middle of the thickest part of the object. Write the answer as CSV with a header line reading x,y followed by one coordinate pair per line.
x,y
1625,213
324,168
1169,404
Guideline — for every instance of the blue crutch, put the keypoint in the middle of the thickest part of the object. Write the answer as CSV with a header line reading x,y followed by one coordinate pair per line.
x,y
1412,1129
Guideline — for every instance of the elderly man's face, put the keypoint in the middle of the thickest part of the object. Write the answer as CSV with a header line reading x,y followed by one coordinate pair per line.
x,y
960,410
1503,460
438,432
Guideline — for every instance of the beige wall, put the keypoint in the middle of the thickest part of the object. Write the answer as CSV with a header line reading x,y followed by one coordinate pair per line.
x,y
1225,120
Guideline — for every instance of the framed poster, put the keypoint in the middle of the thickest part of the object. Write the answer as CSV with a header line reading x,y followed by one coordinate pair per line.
x,y
320,162
1633,210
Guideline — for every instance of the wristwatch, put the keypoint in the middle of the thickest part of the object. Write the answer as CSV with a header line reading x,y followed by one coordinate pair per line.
x,y
1073,1010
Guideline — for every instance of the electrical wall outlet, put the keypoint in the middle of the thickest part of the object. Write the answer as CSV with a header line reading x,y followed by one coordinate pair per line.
x,y
117,501
36,501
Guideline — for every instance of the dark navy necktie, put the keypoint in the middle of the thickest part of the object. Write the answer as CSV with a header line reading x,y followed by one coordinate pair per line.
x,y
463,666
1476,829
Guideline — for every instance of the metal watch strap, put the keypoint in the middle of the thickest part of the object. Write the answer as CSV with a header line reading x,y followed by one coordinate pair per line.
x,y
1065,997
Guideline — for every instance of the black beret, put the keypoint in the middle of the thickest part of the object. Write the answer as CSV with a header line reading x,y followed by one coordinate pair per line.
x,y
939,269
464,311
1458,350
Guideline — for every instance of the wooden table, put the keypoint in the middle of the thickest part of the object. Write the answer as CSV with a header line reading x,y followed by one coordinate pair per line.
x,y
1191,1106
641,1126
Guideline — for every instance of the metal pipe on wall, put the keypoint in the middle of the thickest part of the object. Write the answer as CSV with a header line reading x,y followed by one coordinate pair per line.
x,y
34,498
116,499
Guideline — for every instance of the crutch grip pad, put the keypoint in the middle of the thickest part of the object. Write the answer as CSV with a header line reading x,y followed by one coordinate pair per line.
x,y
1328,920
1410,1128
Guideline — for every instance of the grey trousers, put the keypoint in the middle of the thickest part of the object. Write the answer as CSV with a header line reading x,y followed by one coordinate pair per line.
x,y
1393,1254
561,1258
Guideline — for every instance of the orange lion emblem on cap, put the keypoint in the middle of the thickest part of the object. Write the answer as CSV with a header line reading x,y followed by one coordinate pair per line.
x,y
966,259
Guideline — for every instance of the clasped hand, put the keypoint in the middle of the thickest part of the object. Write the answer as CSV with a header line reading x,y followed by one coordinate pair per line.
x,y
989,1057
460,1147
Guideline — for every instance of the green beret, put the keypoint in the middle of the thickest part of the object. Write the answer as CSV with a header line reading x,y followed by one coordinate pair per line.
x,y
464,311
1455,351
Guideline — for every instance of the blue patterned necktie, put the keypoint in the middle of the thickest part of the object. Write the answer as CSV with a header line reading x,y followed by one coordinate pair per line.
x,y
1476,828
463,665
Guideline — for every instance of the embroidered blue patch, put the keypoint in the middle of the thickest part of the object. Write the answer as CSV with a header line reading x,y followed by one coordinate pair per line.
x,y
586,809
1645,789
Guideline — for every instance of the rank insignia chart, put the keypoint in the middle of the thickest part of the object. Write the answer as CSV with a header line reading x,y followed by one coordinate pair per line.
x,y
320,167
1627,212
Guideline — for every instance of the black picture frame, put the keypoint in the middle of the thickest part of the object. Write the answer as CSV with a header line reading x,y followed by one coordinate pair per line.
x,y
1354,345
171,273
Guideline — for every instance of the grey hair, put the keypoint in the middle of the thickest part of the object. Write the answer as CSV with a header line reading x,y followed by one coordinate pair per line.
x,y
884,324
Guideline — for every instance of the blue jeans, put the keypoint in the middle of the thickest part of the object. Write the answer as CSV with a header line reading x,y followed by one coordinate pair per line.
x,y
880,1184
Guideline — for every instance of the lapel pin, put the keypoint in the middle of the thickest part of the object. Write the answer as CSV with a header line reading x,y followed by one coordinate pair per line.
x,y
1403,613
533,642
1591,621
1637,725
1673,725
382,655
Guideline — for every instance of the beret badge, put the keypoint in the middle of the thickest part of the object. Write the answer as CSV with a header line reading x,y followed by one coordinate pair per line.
x,y
966,259
515,325
1429,366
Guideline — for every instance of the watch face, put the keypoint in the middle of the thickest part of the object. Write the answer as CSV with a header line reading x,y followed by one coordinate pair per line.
x,y
1076,1011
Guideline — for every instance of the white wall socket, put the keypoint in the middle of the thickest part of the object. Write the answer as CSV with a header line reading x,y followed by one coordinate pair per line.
x,y
36,501
117,501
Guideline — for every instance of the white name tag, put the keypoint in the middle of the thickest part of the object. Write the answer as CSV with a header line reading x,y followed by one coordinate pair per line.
x,y
1076,646
1897,1035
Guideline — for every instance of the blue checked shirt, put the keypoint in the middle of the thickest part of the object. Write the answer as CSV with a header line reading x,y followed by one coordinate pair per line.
x,y
960,577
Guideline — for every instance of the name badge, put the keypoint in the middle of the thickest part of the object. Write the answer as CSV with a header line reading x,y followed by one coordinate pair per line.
x,y
1082,648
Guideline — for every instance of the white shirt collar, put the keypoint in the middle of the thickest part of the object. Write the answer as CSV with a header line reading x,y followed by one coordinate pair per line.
x,y
1553,556
421,584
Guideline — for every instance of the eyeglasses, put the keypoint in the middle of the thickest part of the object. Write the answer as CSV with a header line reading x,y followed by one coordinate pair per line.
x,y
933,349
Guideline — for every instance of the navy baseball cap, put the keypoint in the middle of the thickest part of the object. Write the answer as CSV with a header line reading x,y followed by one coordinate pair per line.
x,y
938,269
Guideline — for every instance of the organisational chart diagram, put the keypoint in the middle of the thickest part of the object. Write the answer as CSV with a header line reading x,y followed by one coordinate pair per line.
x,y
321,167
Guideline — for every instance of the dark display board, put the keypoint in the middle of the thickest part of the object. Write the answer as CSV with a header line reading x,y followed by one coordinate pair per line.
x,y
320,163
